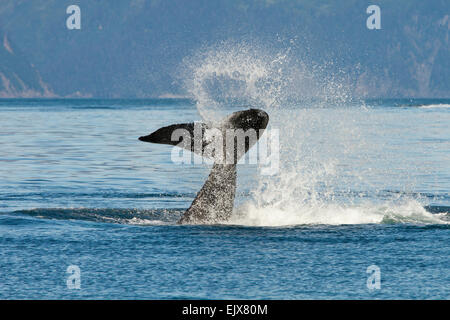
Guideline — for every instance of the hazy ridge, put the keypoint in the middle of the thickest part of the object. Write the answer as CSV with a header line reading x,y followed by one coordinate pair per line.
x,y
136,48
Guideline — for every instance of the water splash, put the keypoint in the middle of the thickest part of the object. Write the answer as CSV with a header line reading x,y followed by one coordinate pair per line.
x,y
233,74
326,161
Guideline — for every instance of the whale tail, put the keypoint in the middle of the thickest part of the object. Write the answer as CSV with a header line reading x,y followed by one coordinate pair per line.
x,y
214,202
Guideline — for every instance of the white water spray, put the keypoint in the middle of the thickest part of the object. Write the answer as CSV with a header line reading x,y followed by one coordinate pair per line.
x,y
329,172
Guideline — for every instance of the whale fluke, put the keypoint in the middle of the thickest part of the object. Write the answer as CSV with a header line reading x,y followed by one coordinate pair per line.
x,y
214,202
164,136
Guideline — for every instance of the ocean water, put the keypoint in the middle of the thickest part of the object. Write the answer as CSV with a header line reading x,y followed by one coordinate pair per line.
x,y
358,184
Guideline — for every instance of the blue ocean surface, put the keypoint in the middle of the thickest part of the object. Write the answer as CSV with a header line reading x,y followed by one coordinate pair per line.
x,y
359,186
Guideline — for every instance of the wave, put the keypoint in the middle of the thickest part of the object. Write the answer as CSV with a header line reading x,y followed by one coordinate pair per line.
x,y
332,214
434,106
118,216
381,194
250,215
105,195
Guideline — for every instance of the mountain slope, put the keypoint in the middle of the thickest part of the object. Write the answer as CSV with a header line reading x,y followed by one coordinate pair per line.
x,y
135,48
18,78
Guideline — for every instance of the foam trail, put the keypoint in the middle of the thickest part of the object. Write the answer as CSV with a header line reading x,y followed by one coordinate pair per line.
x,y
333,214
